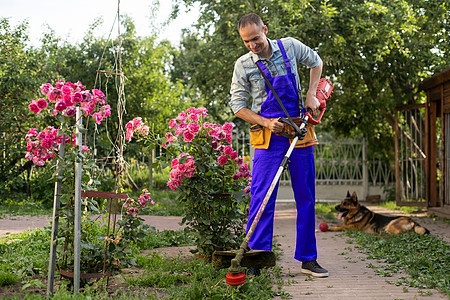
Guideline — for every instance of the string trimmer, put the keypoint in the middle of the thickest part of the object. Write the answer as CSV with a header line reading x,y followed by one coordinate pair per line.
x,y
244,257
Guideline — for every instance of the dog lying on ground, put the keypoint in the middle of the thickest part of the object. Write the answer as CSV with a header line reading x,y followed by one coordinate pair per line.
x,y
357,216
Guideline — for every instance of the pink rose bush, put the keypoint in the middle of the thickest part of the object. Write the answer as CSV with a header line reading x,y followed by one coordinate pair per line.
x,y
66,96
207,152
63,100
132,207
136,126
210,177
43,145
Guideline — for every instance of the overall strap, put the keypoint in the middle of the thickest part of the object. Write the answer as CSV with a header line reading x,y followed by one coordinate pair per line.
x,y
287,63
264,69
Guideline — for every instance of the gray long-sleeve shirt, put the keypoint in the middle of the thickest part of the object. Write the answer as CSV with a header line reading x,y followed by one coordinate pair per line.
x,y
247,80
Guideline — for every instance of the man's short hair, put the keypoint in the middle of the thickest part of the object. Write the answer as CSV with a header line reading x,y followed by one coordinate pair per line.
x,y
250,19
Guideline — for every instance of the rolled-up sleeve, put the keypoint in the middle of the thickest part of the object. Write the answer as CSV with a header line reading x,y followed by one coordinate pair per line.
x,y
305,55
240,88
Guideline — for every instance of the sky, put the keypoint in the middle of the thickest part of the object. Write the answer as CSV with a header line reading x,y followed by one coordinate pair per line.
x,y
71,19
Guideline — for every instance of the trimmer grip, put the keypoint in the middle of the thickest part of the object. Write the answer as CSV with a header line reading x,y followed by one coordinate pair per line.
x,y
323,93
315,121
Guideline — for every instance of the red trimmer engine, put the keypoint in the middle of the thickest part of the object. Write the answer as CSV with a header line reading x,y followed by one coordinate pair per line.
x,y
323,93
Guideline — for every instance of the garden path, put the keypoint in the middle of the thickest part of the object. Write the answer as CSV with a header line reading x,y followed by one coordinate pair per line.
x,y
17,224
350,278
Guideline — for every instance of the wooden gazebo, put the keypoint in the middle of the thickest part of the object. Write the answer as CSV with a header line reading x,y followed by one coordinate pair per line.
x,y
422,148
437,89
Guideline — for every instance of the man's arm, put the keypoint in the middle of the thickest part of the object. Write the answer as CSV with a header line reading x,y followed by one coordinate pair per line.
x,y
314,77
253,118
308,57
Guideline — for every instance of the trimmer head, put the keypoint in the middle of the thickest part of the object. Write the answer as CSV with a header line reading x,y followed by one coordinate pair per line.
x,y
235,279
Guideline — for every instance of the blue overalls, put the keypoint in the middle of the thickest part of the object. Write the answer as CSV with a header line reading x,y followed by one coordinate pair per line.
x,y
266,163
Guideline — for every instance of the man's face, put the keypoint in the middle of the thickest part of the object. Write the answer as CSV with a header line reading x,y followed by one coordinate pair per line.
x,y
254,38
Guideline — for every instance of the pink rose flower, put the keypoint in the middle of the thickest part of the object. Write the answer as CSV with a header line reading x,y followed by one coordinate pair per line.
x,y
182,168
202,111
47,143
99,94
66,90
133,211
45,88
222,160
193,117
68,100
193,127
247,190
188,136
137,121
227,127
106,110
84,148
174,163
228,150
221,135
171,185
243,168
87,97
233,155
181,117
59,84
98,117
34,107
41,135
173,123
55,94
129,134
80,86
129,125
87,108
71,111
77,97
41,103
60,106
144,130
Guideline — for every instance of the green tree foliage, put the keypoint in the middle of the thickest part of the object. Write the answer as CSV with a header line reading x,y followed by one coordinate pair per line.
x,y
21,74
376,52
148,91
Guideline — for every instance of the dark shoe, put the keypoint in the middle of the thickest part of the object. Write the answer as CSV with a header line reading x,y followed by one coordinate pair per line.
x,y
253,271
313,268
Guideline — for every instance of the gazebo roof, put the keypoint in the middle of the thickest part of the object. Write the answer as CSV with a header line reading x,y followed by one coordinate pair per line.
x,y
435,80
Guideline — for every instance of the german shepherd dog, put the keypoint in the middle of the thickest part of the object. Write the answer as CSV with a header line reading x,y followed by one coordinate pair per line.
x,y
357,216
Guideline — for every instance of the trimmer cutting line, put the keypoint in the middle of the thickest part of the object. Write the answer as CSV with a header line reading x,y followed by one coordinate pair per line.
x,y
244,257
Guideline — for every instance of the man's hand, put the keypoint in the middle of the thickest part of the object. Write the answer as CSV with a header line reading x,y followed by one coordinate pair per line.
x,y
312,102
275,126
253,118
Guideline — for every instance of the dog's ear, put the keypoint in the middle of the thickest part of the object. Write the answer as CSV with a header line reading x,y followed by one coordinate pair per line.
x,y
354,197
348,194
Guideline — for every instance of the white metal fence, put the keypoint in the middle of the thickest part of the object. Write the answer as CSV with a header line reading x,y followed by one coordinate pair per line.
x,y
340,166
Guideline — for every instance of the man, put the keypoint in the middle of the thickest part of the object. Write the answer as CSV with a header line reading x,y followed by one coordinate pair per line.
x,y
278,61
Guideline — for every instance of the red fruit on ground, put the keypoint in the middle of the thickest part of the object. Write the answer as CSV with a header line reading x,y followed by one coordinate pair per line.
x,y
323,226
